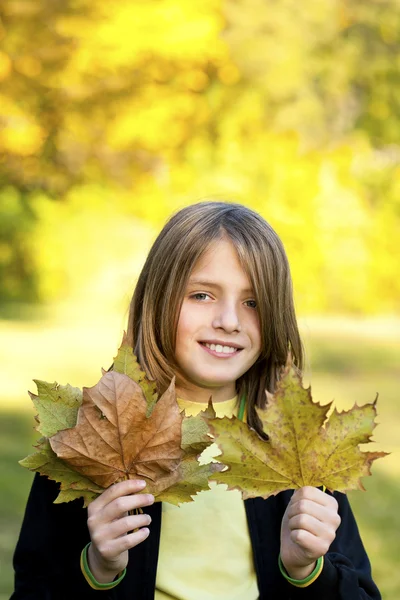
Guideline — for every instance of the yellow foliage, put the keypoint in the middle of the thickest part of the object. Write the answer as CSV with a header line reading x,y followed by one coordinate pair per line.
x,y
148,106
20,134
28,65
5,65
128,34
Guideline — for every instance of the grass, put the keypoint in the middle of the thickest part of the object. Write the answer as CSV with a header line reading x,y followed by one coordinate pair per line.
x,y
348,361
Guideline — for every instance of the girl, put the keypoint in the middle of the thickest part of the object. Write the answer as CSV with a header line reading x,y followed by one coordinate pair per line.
x,y
213,306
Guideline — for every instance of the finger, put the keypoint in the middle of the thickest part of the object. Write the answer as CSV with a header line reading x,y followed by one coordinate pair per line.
x,y
112,549
125,524
122,488
325,514
312,546
122,505
316,495
313,526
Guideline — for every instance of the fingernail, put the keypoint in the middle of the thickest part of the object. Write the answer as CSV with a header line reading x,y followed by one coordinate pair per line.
x,y
141,483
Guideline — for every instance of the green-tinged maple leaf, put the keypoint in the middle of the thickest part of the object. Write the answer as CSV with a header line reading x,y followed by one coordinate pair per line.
x,y
73,485
57,406
192,477
300,450
195,431
126,363
343,432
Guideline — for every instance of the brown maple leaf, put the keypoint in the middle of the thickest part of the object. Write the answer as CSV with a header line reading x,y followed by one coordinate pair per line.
x,y
113,438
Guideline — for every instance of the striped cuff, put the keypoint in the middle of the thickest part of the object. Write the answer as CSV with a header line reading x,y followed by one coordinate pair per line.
x,y
89,577
302,583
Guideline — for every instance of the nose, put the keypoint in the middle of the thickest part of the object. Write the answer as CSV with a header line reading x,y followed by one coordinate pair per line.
x,y
226,317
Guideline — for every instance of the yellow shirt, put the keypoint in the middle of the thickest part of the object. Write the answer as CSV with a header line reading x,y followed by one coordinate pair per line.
x,y
205,550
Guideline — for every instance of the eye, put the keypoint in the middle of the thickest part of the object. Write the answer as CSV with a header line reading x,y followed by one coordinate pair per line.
x,y
251,303
199,296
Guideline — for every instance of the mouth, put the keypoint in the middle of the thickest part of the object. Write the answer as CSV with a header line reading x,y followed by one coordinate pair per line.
x,y
221,350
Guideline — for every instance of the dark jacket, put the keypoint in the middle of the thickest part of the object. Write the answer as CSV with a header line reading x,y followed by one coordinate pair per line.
x,y
46,559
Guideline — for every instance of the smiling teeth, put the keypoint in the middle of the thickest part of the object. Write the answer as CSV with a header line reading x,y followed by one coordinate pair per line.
x,y
221,349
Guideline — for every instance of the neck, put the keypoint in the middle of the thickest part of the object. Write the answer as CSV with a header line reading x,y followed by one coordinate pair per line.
x,y
198,394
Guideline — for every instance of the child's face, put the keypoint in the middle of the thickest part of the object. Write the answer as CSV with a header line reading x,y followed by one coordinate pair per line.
x,y
218,335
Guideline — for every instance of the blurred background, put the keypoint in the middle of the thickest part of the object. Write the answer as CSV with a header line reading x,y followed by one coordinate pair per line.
x,y
114,115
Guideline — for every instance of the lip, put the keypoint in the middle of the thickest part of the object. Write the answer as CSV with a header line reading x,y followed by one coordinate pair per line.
x,y
221,343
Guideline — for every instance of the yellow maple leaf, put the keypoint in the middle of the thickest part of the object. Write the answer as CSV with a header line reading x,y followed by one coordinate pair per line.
x,y
300,450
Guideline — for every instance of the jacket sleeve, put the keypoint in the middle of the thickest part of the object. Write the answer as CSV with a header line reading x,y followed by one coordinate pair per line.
x,y
47,555
347,571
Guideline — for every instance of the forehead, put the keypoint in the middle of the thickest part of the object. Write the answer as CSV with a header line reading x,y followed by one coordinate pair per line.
x,y
220,263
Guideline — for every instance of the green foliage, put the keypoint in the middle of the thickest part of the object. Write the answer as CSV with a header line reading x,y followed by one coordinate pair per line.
x,y
18,273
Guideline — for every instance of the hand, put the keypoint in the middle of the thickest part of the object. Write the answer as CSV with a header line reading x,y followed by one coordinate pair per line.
x,y
308,528
109,523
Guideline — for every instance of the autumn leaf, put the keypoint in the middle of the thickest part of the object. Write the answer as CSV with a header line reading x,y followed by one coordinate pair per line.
x,y
73,485
126,363
119,429
300,450
176,486
113,438
343,432
193,477
195,431
57,406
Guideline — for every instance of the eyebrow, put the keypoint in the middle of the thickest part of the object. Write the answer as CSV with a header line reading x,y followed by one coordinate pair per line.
x,y
213,284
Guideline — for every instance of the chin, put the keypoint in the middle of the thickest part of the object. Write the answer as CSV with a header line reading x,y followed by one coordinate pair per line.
x,y
215,382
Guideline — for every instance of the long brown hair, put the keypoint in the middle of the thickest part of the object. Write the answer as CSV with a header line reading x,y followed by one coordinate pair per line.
x,y
156,303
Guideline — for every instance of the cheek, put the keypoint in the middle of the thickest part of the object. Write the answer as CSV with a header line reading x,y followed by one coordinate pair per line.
x,y
180,335
258,334
186,325
254,330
